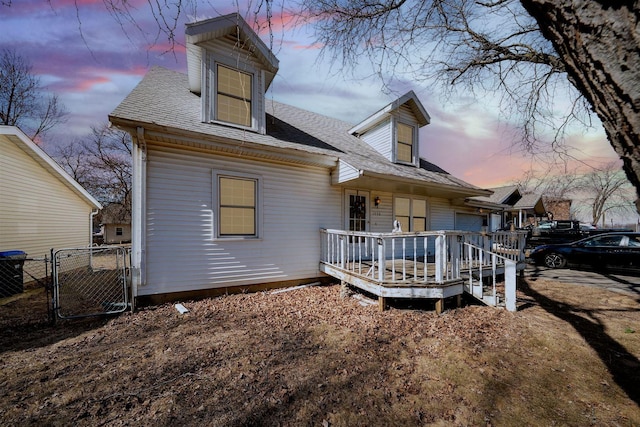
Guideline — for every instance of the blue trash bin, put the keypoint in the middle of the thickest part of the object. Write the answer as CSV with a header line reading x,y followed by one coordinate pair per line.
x,y
11,273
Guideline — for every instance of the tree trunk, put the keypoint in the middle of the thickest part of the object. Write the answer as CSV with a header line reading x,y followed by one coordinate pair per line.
x,y
599,42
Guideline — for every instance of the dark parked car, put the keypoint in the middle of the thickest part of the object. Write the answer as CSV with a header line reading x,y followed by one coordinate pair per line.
x,y
615,251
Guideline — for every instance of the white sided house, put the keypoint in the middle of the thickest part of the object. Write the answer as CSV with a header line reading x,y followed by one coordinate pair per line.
x,y
232,191
41,206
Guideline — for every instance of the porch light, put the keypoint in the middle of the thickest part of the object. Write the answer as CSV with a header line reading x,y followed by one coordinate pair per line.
x,y
376,201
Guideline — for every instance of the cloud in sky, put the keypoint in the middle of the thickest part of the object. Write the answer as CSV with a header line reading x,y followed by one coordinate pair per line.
x,y
84,56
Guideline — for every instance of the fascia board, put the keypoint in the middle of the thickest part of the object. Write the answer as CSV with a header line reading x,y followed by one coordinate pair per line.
x,y
463,191
371,121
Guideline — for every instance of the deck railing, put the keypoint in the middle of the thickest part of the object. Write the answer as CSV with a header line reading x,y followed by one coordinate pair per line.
x,y
482,268
430,257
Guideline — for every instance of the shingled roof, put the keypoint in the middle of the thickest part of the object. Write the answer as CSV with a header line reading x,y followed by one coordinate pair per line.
x,y
162,102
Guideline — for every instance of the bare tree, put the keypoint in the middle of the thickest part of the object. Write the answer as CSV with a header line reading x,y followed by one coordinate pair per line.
x,y
606,191
74,160
23,102
529,52
101,163
598,44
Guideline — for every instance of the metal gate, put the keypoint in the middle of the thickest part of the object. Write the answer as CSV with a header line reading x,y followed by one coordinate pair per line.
x,y
90,281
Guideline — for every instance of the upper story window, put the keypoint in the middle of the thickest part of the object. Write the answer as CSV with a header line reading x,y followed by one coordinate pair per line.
x,y
406,143
233,96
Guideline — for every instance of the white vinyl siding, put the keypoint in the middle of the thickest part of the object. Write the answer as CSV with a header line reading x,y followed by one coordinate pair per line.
x,y
345,172
182,252
380,138
382,215
470,222
37,210
442,215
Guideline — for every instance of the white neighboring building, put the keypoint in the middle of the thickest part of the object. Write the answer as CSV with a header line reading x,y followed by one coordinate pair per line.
x,y
41,206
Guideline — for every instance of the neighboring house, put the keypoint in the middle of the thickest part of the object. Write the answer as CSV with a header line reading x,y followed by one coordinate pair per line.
x,y
231,189
115,224
508,205
41,206
560,209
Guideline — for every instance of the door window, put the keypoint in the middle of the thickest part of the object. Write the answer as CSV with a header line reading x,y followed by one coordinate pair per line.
x,y
357,212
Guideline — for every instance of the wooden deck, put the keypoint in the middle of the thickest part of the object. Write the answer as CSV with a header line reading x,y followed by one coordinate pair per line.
x,y
394,266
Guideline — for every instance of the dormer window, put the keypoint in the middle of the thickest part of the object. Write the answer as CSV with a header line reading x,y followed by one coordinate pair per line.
x,y
234,90
405,143
393,130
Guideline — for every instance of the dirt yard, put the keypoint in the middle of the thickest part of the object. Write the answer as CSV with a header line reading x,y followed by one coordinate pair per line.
x,y
313,356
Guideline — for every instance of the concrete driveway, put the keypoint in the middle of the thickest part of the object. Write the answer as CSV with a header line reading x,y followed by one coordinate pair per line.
x,y
614,282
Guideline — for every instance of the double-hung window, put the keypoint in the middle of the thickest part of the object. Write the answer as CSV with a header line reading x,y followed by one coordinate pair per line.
x,y
405,146
233,96
411,213
237,205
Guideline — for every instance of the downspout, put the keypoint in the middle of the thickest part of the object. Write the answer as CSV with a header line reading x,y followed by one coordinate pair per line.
x,y
138,244
91,215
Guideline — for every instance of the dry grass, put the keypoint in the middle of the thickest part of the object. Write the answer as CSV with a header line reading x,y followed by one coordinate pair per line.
x,y
311,357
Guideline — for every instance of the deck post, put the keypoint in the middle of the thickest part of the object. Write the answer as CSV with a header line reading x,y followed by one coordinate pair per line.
x,y
439,306
382,303
381,260
455,258
510,285
441,257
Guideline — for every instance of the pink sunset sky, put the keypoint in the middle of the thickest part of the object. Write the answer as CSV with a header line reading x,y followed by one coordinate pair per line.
x,y
84,56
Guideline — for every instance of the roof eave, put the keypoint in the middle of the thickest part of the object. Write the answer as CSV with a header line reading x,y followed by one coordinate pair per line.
x,y
228,145
455,190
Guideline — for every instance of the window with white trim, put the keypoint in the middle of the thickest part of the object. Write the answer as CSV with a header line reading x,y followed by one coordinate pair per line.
x,y
405,143
233,102
411,213
237,205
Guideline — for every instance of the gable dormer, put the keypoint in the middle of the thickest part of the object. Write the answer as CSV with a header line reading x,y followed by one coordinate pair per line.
x,y
393,130
231,68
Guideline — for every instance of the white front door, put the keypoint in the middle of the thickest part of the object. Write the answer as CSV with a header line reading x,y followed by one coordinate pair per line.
x,y
356,210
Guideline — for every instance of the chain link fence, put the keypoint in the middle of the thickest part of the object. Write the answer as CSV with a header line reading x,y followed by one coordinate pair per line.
x,y
90,281
63,284
26,290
